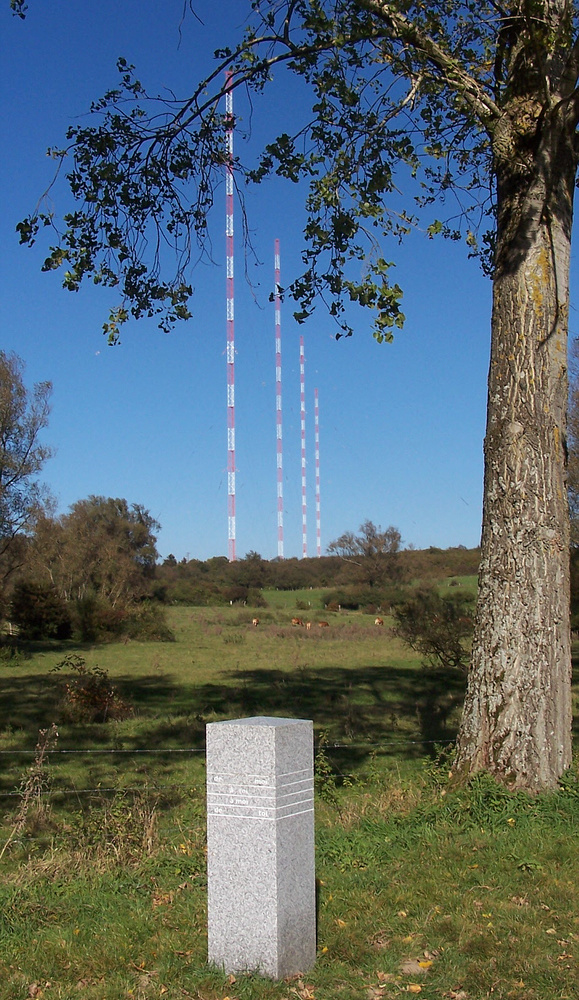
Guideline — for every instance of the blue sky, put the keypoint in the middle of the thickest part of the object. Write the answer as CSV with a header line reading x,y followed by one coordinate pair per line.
x,y
401,425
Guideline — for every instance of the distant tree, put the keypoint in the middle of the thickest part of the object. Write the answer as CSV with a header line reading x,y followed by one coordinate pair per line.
x,y
103,547
372,550
252,571
23,415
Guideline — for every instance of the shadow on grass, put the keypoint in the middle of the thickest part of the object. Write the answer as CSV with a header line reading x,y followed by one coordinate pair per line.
x,y
389,710
394,712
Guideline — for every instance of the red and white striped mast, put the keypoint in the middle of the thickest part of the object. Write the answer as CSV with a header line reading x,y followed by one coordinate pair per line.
x,y
317,448
230,324
303,430
278,414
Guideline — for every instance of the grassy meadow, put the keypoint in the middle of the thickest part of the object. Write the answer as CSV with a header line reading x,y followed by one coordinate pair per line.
x,y
423,888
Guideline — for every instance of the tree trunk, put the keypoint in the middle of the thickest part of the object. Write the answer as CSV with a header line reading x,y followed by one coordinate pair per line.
x,y
517,715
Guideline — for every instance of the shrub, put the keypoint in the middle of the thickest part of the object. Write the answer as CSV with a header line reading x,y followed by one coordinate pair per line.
x,y
39,612
97,620
196,594
90,696
236,594
436,627
369,599
147,621
346,598
255,598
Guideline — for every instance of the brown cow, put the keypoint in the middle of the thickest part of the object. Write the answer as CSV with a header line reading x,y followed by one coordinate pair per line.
x,y
378,621
255,621
308,626
297,621
323,624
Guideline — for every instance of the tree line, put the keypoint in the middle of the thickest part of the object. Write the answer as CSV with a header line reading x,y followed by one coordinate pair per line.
x,y
95,571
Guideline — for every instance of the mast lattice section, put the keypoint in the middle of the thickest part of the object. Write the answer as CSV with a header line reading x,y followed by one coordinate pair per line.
x,y
317,453
303,435
278,410
230,327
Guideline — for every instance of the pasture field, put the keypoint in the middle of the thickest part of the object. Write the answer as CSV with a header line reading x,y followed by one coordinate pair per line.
x,y
424,889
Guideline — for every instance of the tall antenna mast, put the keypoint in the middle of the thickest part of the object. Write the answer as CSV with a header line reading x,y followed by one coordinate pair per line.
x,y
317,447
230,324
303,427
278,425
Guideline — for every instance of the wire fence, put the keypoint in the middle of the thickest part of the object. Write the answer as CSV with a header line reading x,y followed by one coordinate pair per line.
x,y
323,745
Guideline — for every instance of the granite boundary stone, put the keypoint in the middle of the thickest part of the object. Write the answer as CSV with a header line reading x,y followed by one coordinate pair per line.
x,y
260,846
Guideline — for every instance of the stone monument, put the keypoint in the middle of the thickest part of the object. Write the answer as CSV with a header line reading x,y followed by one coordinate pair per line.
x,y
260,846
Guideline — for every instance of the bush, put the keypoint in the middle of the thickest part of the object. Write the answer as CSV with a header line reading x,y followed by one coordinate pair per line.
x,y
436,627
236,594
369,599
90,695
255,598
195,594
97,620
39,612
147,621
336,599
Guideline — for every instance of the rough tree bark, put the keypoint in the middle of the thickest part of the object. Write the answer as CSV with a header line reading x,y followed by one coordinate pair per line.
x,y
517,715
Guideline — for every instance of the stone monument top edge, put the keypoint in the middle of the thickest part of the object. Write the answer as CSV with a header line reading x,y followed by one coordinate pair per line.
x,y
261,720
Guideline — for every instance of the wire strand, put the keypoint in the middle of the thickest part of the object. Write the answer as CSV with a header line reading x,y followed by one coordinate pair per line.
x,y
155,750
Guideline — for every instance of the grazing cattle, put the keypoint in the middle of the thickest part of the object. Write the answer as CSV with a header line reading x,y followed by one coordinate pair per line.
x,y
323,624
255,621
308,626
378,621
297,621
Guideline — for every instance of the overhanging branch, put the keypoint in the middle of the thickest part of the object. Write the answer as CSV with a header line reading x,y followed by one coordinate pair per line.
x,y
455,76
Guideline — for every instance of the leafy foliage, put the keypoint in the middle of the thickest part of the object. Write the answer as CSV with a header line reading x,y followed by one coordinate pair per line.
x,y
104,546
23,416
400,94
39,612
90,696
19,8
436,627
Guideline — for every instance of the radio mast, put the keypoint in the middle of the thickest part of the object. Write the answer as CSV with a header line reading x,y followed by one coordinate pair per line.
x,y
317,447
278,413
303,429
230,325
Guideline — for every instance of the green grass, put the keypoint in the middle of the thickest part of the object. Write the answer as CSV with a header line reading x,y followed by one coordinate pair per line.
x,y
103,894
291,600
464,585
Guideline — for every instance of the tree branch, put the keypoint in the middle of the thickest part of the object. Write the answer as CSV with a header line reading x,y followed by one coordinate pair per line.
x,y
455,76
